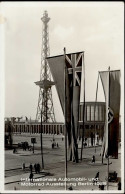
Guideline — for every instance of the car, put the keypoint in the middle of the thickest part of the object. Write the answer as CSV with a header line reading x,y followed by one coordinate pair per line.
x,y
112,176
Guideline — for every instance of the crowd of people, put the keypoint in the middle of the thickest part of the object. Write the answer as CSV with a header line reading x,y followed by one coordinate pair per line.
x,y
36,168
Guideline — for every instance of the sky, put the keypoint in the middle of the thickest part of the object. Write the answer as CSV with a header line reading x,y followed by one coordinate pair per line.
x,y
94,27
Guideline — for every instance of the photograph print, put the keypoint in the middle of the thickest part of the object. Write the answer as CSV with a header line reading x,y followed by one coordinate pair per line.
x,y
62,118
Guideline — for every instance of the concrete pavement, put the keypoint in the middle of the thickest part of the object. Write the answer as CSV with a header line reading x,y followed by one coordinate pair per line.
x,y
85,170
80,176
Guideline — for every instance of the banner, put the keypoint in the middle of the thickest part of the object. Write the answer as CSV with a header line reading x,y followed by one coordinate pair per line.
x,y
111,86
73,75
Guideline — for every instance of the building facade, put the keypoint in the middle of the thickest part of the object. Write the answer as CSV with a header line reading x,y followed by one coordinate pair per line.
x,y
33,127
94,120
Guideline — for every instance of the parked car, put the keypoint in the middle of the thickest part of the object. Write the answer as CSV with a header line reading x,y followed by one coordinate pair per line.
x,y
112,176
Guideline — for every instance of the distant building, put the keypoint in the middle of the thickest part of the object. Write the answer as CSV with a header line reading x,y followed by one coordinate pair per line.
x,y
94,118
93,124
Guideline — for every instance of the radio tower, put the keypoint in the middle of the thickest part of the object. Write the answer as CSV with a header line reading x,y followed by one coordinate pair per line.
x,y
45,102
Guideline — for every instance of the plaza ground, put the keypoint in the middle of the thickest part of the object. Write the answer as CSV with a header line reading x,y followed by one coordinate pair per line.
x,y
80,176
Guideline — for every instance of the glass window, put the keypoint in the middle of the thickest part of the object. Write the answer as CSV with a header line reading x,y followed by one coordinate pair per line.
x,y
96,113
100,113
88,113
81,113
92,113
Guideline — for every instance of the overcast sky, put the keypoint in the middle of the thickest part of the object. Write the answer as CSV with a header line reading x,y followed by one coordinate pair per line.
x,y
94,27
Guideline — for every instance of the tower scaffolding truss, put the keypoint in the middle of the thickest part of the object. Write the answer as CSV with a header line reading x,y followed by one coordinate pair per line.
x,y
45,101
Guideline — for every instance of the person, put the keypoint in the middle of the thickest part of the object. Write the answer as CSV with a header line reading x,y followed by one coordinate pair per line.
x,y
52,145
38,168
23,166
35,167
31,167
91,139
97,138
14,150
57,145
93,159
31,177
119,185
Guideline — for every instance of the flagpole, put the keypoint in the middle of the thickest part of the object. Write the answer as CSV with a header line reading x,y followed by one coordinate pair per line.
x,y
65,119
30,125
95,105
108,130
83,112
42,143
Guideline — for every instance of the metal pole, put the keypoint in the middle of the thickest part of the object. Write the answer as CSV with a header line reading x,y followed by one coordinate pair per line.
x,y
107,172
83,112
95,107
65,120
108,129
42,143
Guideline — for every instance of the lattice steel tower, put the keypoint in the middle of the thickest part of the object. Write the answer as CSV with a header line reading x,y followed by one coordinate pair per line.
x,y
45,101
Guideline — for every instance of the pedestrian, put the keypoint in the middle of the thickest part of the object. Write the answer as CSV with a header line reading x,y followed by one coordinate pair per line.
x,y
14,150
91,135
35,167
57,145
38,168
23,166
119,185
93,159
52,145
31,177
31,167
97,138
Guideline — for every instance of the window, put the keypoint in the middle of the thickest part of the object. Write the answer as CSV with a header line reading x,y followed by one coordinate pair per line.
x,y
96,113
100,113
88,113
92,113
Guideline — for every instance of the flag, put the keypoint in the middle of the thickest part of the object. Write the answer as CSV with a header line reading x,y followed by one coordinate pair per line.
x,y
111,86
73,63
57,69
